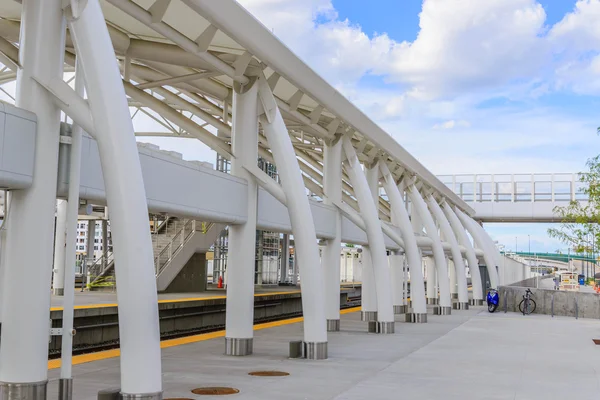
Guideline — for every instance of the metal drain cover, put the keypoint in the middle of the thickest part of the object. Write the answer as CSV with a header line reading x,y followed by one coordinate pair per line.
x,y
268,373
215,391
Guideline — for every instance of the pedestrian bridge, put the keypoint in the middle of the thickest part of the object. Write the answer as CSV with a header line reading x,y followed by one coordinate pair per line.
x,y
516,197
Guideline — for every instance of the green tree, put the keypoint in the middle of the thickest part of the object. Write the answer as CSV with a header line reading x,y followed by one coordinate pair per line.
x,y
579,222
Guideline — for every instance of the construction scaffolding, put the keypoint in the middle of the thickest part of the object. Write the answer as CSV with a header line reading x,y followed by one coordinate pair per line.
x,y
267,270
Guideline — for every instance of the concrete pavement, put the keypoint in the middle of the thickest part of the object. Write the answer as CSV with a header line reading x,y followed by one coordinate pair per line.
x,y
468,355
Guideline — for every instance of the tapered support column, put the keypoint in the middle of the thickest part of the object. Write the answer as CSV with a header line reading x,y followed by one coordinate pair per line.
x,y
436,247
242,238
459,273
27,273
411,250
431,282
368,303
126,198
453,277
463,239
89,245
478,236
305,237
58,280
332,188
369,291
396,261
368,210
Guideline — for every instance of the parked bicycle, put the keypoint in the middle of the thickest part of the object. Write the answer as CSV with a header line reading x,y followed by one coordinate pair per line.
x,y
527,305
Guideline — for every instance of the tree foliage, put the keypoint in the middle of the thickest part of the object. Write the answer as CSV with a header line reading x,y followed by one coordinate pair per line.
x,y
579,221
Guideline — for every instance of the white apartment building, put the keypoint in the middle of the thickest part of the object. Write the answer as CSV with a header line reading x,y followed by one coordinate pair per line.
x,y
82,239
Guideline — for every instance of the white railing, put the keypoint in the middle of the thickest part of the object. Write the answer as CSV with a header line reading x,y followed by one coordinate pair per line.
x,y
516,187
165,256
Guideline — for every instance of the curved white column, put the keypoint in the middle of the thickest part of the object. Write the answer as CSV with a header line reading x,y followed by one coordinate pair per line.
x,y
368,210
26,273
332,188
459,265
369,289
58,280
239,316
66,352
443,278
463,239
431,280
136,281
303,228
411,250
368,304
476,233
453,277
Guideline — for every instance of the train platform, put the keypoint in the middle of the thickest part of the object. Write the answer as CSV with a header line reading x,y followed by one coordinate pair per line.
x,y
468,355
86,299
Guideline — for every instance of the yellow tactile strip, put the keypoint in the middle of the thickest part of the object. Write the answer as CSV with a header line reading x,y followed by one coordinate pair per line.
x,y
168,301
103,355
105,305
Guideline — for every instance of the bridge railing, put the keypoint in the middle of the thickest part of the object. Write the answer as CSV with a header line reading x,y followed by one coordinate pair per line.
x,y
562,187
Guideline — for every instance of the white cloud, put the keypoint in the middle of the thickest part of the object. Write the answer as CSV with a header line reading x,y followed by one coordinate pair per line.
x,y
451,124
469,45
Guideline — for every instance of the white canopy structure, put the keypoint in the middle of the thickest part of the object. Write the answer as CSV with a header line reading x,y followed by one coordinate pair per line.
x,y
191,64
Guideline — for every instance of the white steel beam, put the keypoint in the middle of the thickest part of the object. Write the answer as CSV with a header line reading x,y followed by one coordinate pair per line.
x,y
438,251
385,313
411,249
138,323
315,328
26,273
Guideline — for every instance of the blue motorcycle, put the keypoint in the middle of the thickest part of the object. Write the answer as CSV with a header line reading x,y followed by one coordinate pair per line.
x,y
493,299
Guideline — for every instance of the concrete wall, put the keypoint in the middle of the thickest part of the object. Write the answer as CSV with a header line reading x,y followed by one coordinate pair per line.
x,y
191,278
561,303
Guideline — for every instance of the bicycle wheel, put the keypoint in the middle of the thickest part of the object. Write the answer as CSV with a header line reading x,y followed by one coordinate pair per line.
x,y
532,306
521,307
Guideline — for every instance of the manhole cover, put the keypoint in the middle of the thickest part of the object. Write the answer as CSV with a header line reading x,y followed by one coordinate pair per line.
x,y
596,341
268,373
215,391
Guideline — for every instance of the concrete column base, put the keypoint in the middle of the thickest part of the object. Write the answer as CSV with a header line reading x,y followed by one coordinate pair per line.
x,y
439,310
400,310
315,351
368,315
416,318
23,391
238,346
58,291
382,327
333,325
433,301
476,302
460,306
65,389
142,396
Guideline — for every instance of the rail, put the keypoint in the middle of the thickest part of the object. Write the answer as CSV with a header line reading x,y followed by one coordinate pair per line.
x,y
562,187
101,265
165,256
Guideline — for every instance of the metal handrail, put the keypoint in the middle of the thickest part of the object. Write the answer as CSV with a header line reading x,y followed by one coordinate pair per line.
x,y
176,244
96,269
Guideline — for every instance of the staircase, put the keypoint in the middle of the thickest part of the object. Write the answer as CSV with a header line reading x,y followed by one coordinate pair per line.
x,y
174,242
